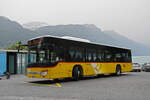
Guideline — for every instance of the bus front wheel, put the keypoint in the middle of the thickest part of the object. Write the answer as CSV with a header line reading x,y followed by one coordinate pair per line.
x,y
76,73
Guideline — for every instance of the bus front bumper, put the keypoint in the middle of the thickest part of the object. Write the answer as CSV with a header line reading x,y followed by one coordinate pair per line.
x,y
32,73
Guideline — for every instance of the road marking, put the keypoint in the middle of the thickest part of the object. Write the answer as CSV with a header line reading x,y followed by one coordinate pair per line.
x,y
57,84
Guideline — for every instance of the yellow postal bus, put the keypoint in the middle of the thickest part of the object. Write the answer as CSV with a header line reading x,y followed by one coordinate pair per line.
x,y
67,57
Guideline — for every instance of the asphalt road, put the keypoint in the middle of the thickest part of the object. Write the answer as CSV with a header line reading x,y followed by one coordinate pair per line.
x,y
129,86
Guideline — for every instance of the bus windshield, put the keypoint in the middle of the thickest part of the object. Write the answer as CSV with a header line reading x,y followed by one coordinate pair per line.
x,y
42,56
45,55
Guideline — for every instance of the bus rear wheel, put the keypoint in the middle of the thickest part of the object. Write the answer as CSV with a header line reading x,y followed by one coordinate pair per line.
x,y
76,73
118,71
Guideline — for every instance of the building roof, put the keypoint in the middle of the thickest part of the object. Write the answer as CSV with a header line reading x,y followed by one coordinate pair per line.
x,y
4,50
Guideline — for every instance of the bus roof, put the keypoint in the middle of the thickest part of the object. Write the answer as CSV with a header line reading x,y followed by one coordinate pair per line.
x,y
79,40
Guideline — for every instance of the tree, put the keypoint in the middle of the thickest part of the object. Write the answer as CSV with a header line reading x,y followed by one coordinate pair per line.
x,y
17,46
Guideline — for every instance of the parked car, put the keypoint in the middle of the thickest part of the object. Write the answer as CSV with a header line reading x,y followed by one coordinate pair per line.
x,y
136,67
146,67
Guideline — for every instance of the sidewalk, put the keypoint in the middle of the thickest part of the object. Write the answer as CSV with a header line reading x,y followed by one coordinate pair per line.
x,y
13,76
1,77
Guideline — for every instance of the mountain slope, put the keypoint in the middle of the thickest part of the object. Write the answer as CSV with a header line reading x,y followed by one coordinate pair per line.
x,y
11,32
34,25
90,32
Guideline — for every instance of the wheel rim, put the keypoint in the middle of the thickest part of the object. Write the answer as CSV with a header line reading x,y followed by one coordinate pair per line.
x,y
118,72
78,73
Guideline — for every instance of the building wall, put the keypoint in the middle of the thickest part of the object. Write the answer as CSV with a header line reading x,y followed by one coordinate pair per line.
x,y
21,63
13,62
3,63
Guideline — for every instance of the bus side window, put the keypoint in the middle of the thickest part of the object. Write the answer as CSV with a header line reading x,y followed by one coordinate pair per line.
x,y
72,53
94,56
76,54
128,56
123,55
79,54
108,56
68,57
100,56
89,58
118,57
91,55
60,55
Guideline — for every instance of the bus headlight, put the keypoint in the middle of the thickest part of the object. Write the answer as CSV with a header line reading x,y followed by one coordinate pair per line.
x,y
44,73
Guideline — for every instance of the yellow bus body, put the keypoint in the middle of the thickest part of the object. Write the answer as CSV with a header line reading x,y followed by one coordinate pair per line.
x,y
64,69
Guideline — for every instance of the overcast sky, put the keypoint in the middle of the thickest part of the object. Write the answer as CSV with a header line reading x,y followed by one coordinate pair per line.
x,y
128,17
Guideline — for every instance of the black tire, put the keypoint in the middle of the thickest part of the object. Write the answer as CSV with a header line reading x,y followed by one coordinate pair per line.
x,y
100,75
139,70
118,71
56,80
76,73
